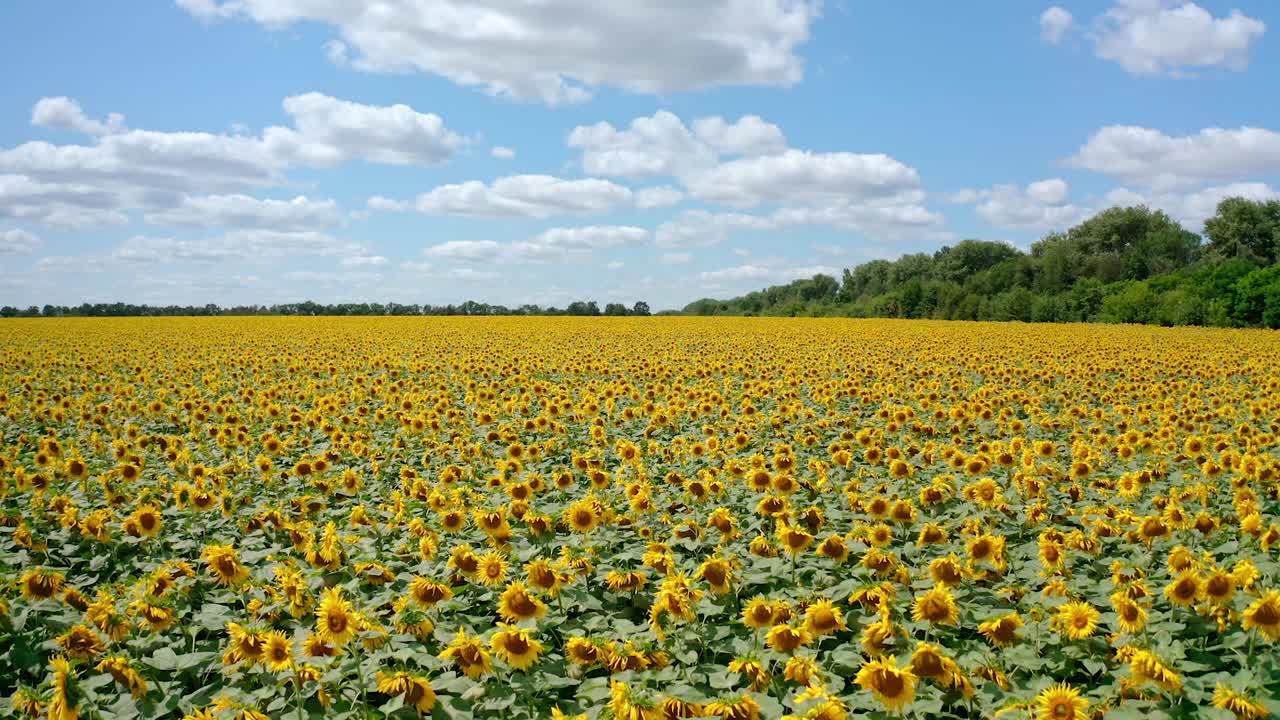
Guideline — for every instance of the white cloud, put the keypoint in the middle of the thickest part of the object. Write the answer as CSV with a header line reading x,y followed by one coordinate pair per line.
x,y
1055,23
532,196
700,228
362,261
558,50
798,176
658,197
238,245
748,136
1155,37
16,241
615,265
129,169
757,273
650,146
1194,207
63,113
1041,205
377,202
553,245
246,211
68,205
502,153
331,131
675,258
1151,157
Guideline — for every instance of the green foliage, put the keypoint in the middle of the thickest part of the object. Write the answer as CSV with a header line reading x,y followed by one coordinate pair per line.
x,y
1124,265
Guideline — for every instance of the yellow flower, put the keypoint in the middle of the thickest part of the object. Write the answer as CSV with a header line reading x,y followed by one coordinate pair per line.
x,y
1061,702
1077,620
468,654
516,604
225,565
787,638
892,686
1264,615
823,618
937,607
516,647
416,689
61,707
1002,631
277,651
336,621
1242,706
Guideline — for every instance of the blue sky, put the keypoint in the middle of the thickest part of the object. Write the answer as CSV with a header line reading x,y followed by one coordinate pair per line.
x,y
261,151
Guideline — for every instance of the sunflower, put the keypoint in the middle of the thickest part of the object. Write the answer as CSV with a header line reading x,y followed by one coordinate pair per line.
x,y
581,516
516,647
492,569
427,593
1002,631
41,584
1264,615
752,669
823,618
718,573
119,668
1131,617
741,708
787,638
416,689
1145,666
892,686
224,563
1061,702
626,706
794,540
757,614
336,621
277,651
1077,620
833,547
582,651
516,604
1243,707
61,706
1219,587
630,581
1184,590
468,654
81,643
937,607
802,670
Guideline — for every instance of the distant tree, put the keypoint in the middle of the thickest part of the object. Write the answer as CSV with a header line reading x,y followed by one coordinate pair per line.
x,y
1248,229
641,308
615,309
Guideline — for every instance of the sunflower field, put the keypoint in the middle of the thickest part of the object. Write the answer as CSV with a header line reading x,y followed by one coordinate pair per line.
x,y
637,519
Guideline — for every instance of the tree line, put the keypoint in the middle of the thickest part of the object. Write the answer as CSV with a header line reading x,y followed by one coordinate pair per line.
x,y
470,307
1129,265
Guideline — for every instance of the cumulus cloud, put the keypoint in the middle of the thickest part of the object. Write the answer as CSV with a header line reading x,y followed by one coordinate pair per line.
x,y
362,261
559,50
502,153
328,131
1151,157
63,113
1055,23
1163,37
657,197
675,258
246,211
16,241
1041,205
530,196
648,147
553,245
129,169
760,273
238,245
1191,208
797,176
